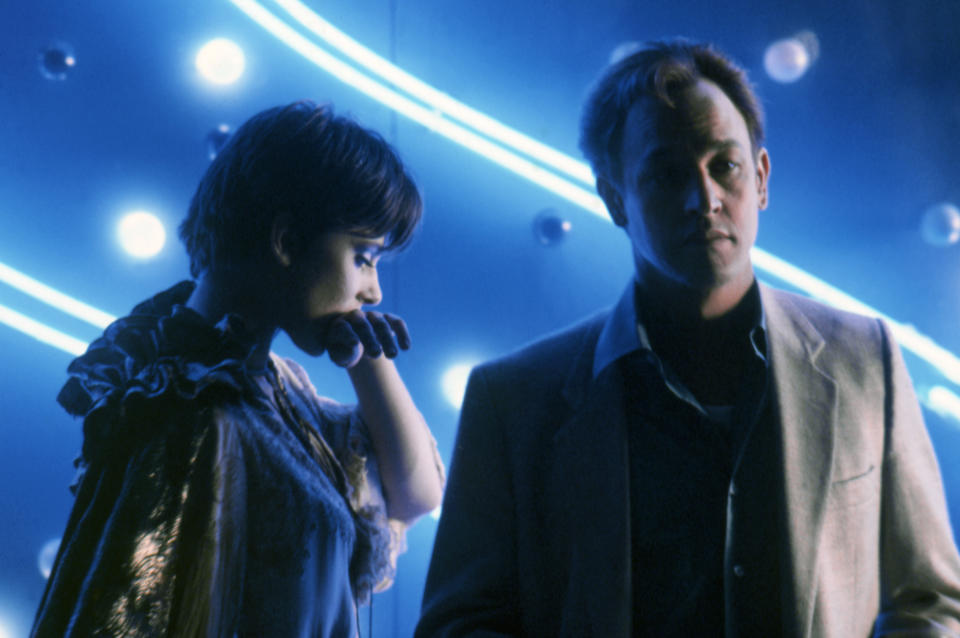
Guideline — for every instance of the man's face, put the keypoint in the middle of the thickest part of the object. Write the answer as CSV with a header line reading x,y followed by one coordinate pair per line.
x,y
690,191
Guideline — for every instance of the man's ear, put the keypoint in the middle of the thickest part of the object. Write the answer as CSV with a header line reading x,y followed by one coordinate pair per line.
x,y
610,195
763,177
282,240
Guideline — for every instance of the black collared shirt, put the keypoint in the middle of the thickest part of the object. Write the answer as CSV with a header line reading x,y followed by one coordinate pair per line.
x,y
687,524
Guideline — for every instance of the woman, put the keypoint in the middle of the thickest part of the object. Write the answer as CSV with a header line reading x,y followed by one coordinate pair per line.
x,y
218,494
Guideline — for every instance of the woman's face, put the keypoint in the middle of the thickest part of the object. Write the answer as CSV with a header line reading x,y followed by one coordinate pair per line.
x,y
336,274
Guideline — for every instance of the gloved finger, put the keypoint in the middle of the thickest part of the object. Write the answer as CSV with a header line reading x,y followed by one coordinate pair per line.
x,y
343,344
384,332
364,331
399,327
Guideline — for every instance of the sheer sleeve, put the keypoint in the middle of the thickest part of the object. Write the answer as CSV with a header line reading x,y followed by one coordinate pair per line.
x,y
155,542
380,540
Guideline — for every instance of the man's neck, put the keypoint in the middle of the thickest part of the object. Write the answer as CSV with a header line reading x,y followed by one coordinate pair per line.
x,y
707,351
691,305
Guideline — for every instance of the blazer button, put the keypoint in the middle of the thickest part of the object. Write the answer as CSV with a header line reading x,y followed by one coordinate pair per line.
x,y
738,571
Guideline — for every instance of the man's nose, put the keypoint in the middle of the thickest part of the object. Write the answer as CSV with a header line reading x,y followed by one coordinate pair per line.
x,y
370,294
702,195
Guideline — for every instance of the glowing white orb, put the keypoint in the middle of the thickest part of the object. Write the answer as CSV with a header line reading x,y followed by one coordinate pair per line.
x,y
220,61
940,225
454,383
141,234
787,60
46,557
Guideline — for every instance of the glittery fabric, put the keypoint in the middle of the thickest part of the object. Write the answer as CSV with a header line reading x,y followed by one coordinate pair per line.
x,y
198,511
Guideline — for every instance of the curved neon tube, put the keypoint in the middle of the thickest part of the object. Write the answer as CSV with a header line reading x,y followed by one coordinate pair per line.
x,y
431,118
435,98
42,332
55,298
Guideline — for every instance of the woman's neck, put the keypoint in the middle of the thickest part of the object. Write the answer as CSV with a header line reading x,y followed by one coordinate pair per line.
x,y
217,296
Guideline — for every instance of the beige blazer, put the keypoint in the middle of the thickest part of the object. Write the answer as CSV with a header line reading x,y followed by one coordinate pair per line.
x,y
534,535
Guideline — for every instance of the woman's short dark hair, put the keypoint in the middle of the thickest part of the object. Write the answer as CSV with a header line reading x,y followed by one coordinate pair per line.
x,y
325,171
659,70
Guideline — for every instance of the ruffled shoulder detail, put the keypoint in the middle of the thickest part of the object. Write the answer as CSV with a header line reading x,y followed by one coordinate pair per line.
x,y
161,349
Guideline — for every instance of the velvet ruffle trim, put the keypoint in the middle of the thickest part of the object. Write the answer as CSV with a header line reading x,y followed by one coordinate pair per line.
x,y
161,349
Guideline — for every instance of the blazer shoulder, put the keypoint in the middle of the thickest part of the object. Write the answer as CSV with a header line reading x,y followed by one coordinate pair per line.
x,y
832,323
554,353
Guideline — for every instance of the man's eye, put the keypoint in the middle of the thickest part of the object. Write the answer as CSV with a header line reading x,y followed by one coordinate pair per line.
x,y
661,177
725,167
364,260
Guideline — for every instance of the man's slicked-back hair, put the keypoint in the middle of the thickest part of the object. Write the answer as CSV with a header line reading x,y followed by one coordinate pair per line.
x,y
324,171
659,70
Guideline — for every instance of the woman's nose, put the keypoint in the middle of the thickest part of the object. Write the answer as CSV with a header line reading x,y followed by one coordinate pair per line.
x,y
370,294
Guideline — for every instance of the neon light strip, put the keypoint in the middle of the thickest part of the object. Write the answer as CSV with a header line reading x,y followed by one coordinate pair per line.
x,y
54,298
435,98
41,332
908,337
943,360
427,117
943,401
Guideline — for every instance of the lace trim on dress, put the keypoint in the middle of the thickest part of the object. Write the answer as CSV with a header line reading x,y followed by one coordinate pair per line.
x,y
380,540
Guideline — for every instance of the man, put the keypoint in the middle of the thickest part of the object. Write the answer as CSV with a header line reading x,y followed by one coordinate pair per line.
x,y
712,457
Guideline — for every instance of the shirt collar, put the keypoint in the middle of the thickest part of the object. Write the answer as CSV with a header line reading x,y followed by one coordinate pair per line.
x,y
619,336
622,333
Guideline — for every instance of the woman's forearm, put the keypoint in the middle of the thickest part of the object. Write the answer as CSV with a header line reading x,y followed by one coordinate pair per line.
x,y
402,443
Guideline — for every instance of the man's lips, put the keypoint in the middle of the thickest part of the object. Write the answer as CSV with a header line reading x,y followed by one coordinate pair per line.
x,y
707,236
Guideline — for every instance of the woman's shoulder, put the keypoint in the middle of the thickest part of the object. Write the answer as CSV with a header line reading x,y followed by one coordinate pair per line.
x,y
297,382
162,363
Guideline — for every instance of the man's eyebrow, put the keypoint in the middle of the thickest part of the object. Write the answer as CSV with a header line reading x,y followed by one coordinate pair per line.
x,y
722,145
657,154
660,153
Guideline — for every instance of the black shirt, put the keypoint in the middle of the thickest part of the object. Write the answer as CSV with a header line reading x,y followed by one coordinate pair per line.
x,y
687,521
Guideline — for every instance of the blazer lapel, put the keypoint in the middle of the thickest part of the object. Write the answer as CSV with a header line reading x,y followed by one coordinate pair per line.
x,y
806,398
592,477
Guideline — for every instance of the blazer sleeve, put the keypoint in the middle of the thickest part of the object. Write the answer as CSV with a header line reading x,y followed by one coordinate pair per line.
x,y
472,586
155,542
920,568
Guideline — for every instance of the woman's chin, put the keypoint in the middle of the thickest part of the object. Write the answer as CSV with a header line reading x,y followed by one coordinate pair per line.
x,y
311,338
308,344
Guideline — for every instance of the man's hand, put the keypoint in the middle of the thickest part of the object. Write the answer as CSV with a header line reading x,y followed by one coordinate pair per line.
x,y
359,333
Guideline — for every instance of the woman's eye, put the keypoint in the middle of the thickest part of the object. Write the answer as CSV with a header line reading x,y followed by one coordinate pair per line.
x,y
364,260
